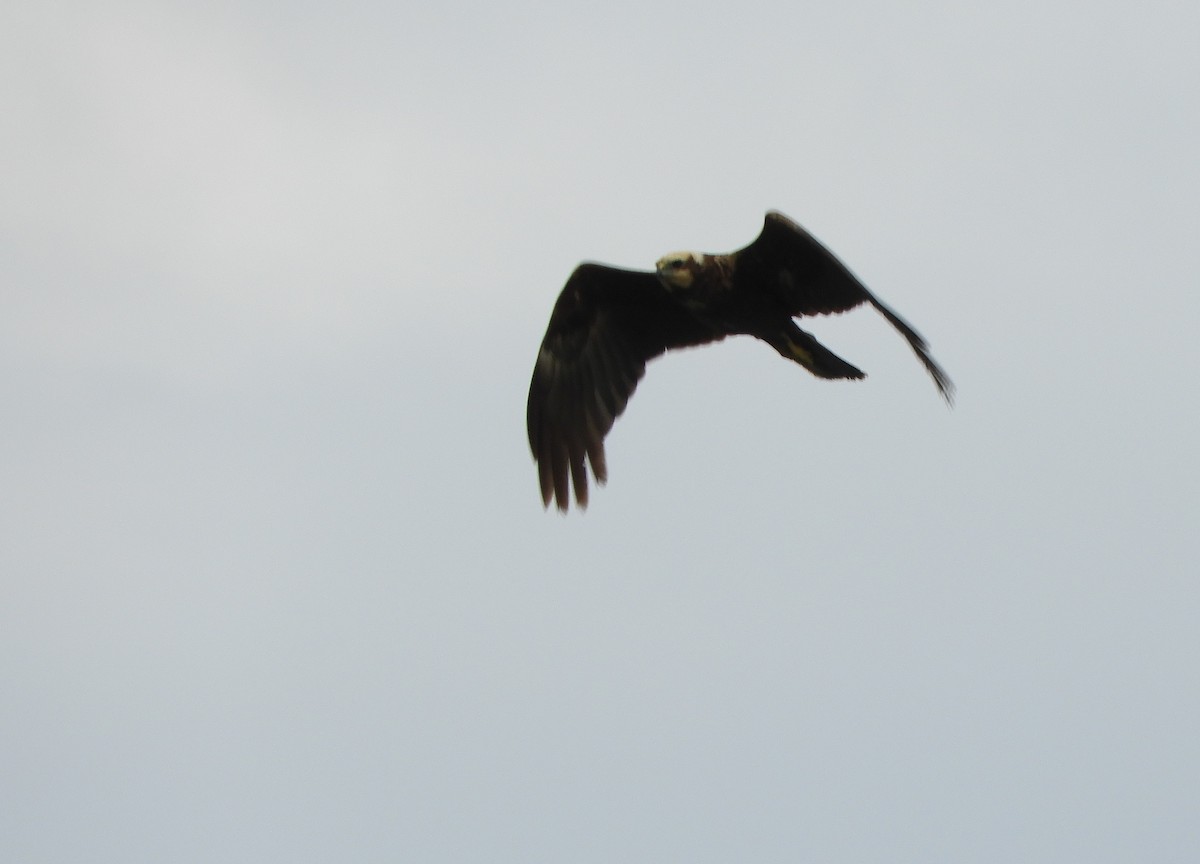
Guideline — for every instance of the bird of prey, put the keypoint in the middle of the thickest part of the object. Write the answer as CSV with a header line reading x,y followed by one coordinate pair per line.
x,y
608,322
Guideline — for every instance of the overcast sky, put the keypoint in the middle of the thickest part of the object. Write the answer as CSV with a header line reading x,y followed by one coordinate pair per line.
x,y
275,579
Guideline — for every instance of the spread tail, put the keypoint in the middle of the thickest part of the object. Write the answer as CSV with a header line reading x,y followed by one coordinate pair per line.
x,y
801,347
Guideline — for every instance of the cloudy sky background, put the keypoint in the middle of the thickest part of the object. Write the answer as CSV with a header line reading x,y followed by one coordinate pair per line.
x,y
275,580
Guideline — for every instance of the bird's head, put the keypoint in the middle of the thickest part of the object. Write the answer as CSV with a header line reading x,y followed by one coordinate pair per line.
x,y
679,269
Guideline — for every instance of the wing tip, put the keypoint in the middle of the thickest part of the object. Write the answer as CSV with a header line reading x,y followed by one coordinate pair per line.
x,y
561,472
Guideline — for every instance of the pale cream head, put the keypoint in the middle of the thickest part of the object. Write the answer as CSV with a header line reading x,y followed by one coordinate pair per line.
x,y
678,270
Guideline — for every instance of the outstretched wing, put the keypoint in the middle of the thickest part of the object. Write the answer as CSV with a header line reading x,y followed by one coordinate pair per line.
x,y
810,279
606,324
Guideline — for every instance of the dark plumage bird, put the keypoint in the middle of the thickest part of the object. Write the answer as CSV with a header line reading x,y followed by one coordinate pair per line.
x,y
608,323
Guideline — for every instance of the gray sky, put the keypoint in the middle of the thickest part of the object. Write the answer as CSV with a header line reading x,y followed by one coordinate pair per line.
x,y
276,580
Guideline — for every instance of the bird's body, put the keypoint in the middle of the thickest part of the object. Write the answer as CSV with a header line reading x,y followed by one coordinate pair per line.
x,y
608,322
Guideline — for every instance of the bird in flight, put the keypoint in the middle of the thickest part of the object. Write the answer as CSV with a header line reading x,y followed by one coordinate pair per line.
x,y
608,323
